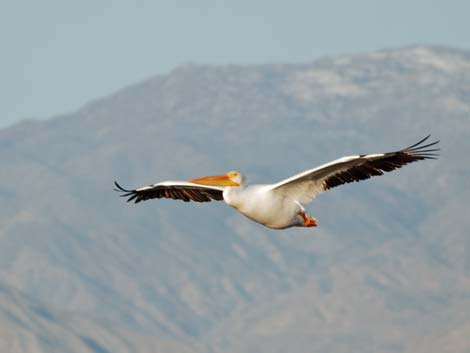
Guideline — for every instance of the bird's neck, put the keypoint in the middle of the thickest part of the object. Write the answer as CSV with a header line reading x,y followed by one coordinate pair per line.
x,y
232,195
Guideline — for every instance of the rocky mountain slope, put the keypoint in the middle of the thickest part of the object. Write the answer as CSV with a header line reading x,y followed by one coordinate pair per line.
x,y
388,270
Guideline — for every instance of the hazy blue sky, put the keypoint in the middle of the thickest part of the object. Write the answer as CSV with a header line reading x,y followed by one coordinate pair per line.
x,y
57,55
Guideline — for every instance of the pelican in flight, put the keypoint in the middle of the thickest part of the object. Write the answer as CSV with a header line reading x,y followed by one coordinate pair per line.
x,y
281,205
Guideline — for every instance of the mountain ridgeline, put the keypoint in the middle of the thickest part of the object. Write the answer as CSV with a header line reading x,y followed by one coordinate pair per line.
x,y
387,270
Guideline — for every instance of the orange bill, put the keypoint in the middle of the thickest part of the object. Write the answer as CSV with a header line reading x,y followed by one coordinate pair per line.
x,y
215,180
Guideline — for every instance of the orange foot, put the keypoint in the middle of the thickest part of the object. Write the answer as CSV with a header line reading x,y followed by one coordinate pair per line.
x,y
308,220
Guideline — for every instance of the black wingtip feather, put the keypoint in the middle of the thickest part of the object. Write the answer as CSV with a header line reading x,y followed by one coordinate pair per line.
x,y
120,188
425,146
420,151
418,143
126,193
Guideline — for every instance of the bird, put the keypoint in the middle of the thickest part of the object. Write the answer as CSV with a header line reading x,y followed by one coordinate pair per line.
x,y
281,205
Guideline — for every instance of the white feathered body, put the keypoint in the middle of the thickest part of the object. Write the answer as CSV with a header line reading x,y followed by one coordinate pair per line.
x,y
260,204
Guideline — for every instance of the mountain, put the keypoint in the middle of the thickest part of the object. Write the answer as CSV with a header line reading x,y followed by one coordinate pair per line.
x,y
387,270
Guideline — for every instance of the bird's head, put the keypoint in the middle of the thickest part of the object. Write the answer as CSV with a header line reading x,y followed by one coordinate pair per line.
x,y
231,178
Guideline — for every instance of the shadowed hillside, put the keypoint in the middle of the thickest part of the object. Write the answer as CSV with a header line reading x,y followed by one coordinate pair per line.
x,y
387,270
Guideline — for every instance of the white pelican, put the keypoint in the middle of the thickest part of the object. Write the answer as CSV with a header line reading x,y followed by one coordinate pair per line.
x,y
280,205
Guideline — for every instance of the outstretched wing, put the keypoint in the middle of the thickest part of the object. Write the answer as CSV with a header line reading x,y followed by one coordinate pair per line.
x,y
305,186
177,190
